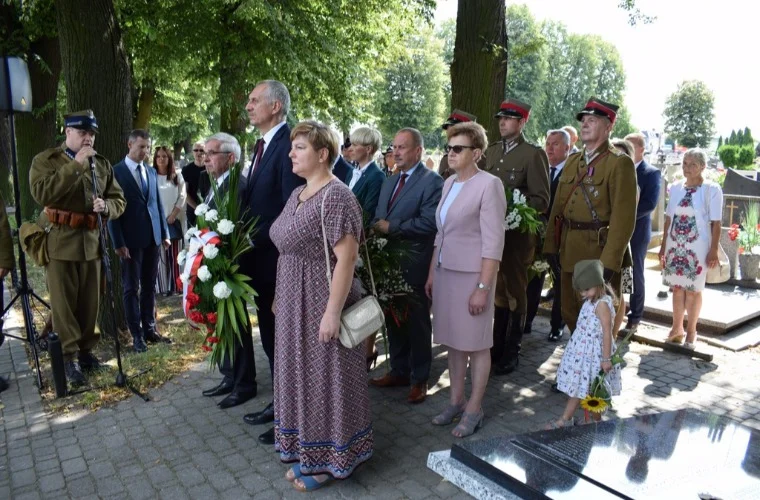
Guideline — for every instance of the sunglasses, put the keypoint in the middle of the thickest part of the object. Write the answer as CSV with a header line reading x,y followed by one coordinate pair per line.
x,y
198,151
457,149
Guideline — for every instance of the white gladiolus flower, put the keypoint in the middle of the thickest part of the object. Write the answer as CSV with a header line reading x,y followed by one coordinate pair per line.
x,y
518,198
204,274
193,248
181,257
381,242
212,216
184,278
201,209
225,227
222,291
210,252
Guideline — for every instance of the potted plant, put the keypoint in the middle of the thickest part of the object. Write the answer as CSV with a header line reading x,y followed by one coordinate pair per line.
x,y
748,236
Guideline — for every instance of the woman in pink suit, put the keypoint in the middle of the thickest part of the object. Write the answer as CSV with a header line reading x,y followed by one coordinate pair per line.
x,y
462,274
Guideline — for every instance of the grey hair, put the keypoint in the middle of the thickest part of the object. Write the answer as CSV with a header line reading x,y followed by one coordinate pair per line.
x,y
227,144
417,139
562,132
277,92
697,154
367,136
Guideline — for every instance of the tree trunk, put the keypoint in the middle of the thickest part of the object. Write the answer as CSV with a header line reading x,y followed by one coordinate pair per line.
x,y
98,77
145,106
479,68
36,131
6,188
96,70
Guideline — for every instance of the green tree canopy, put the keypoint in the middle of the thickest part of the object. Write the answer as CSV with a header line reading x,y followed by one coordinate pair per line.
x,y
689,117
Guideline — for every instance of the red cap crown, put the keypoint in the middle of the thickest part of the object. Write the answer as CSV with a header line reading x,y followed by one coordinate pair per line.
x,y
514,108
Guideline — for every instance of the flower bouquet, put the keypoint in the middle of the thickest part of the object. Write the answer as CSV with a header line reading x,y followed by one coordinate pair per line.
x,y
215,294
748,233
520,216
599,400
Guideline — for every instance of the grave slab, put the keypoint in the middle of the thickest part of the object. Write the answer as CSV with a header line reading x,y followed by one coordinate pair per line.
x,y
678,454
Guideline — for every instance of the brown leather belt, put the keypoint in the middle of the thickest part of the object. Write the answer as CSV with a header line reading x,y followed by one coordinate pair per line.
x,y
585,226
75,220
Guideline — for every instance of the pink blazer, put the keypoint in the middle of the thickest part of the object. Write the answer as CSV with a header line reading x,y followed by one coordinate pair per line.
x,y
474,227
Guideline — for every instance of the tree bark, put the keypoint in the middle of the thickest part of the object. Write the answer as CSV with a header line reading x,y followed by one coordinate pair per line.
x,y
96,70
36,131
479,68
145,106
98,77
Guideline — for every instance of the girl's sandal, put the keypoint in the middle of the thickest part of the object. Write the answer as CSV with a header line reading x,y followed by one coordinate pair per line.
x,y
559,424
293,473
469,424
451,414
311,483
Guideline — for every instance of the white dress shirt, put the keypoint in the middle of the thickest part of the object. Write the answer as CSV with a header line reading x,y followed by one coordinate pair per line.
x,y
132,165
357,174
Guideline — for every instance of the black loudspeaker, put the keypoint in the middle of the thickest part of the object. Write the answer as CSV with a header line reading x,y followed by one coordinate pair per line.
x,y
15,87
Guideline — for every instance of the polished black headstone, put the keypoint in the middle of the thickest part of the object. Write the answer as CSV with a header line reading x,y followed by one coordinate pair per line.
x,y
679,454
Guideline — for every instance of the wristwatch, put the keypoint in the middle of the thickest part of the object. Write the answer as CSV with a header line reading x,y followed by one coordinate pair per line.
x,y
483,286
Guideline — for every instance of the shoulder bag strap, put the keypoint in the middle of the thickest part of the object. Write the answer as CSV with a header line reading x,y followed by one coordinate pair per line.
x,y
327,251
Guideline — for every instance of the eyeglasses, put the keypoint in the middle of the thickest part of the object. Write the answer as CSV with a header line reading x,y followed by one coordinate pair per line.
x,y
198,151
212,153
457,149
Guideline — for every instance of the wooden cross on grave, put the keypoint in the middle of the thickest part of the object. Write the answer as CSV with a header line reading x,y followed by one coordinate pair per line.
x,y
731,206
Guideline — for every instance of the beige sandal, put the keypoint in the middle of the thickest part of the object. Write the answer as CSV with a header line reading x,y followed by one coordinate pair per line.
x,y
675,338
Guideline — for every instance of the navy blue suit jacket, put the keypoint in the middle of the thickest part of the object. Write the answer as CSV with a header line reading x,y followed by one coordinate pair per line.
x,y
263,196
143,222
648,179
367,188
412,218
343,170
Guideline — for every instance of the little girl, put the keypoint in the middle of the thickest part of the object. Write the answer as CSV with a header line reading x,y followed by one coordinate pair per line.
x,y
591,346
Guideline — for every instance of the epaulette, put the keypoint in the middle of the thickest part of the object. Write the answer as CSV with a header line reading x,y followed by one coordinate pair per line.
x,y
49,153
497,143
577,153
615,151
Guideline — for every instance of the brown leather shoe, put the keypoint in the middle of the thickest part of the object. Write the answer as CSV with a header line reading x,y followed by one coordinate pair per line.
x,y
418,393
390,381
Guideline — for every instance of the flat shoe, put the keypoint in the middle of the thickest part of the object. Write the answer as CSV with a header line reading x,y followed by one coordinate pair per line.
x,y
690,345
293,473
310,483
452,413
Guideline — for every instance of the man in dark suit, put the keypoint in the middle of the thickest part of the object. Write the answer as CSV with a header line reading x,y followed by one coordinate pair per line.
x,y
367,178
648,179
266,189
406,210
342,169
557,149
138,248
239,382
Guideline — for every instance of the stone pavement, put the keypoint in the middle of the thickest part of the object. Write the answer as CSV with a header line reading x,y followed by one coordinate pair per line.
x,y
180,445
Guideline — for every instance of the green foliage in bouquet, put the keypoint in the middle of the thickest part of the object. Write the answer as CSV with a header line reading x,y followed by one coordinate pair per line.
x,y
520,216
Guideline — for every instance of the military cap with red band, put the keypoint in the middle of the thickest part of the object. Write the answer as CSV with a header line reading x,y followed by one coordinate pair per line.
x,y
458,116
512,108
598,107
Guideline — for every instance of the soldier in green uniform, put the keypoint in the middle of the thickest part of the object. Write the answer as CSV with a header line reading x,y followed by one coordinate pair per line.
x,y
456,116
61,181
594,209
7,263
524,166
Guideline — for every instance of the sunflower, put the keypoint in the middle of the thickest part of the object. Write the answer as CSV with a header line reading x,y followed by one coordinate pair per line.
x,y
594,404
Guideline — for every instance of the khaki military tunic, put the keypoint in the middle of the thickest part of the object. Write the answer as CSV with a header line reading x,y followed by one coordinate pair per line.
x,y
73,274
522,166
443,168
611,188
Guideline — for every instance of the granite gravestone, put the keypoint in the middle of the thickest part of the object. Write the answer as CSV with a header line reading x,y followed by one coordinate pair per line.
x,y
679,454
738,191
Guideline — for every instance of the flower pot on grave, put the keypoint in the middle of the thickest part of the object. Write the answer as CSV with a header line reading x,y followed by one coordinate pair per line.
x,y
731,247
749,265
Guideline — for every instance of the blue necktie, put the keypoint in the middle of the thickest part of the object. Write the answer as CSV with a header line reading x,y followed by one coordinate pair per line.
x,y
142,179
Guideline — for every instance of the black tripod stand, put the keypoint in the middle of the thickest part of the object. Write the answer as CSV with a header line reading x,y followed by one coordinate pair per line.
x,y
24,292
121,379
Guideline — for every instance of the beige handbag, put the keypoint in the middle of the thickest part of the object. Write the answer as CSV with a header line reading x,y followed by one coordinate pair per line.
x,y
365,317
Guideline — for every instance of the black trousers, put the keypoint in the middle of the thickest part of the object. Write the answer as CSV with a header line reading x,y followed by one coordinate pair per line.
x,y
535,287
411,347
242,372
138,274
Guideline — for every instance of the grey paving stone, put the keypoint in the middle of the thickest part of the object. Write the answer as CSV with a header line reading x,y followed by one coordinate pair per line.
x,y
80,487
73,466
141,490
23,478
67,452
51,482
202,492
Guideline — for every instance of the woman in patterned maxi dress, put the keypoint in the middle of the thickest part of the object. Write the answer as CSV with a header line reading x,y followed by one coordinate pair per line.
x,y
692,229
321,403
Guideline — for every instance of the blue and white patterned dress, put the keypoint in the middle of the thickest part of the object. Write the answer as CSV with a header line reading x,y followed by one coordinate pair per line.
x,y
582,359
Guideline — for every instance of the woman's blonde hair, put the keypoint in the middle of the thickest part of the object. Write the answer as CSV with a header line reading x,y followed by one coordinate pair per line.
x,y
606,289
367,136
319,136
